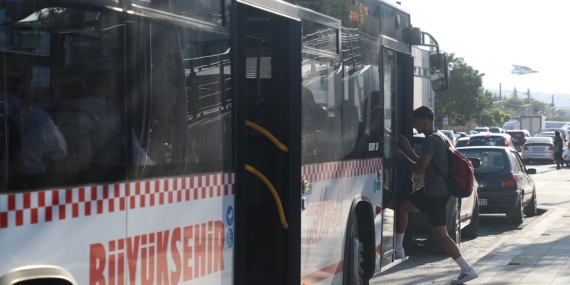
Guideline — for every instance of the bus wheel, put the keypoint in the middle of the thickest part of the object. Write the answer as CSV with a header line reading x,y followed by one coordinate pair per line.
x,y
353,258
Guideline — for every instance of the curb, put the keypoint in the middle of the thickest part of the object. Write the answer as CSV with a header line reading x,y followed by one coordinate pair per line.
x,y
483,258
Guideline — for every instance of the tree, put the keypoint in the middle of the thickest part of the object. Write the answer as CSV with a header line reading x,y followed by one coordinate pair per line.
x,y
515,93
465,98
498,116
486,119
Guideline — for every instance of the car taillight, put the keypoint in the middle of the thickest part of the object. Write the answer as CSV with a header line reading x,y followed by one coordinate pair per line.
x,y
525,147
569,145
506,143
551,147
525,138
509,182
468,142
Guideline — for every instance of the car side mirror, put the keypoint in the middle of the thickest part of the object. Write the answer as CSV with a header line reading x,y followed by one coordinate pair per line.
x,y
475,161
531,171
438,72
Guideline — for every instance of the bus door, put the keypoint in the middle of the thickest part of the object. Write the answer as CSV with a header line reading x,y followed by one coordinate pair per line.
x,y
268,198
397,80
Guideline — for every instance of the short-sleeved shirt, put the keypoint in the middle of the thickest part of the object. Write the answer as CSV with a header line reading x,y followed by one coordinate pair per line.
x,y
434,182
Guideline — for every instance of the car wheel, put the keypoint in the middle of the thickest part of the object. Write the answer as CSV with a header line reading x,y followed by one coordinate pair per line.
x,y
531,209
353,254
472,230
518,216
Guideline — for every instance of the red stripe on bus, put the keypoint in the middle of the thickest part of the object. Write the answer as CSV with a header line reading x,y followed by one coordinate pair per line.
x,y
34,216
27,208
19,217
3,220
27,201
322,273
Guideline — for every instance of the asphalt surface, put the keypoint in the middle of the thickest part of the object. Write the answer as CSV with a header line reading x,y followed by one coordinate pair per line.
x,y
428,266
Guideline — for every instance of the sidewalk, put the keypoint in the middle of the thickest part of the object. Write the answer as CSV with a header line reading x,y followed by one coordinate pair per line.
x,y
537,255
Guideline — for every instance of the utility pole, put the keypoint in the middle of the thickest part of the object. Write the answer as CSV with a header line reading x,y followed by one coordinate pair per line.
x,y
553,110
528,98
501,96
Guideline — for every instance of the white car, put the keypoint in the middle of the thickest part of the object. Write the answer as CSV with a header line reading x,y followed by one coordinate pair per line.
x,y
566,156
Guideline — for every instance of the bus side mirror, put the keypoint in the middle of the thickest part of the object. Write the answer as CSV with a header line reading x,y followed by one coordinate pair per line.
x,y
439,72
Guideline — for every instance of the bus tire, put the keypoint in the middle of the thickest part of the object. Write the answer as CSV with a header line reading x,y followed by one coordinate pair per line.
x,y
353,259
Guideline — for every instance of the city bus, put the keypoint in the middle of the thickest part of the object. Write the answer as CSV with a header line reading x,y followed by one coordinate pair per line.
x,y
202,142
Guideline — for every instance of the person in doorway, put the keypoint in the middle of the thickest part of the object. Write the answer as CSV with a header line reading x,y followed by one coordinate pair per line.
x,y
433,197
558,148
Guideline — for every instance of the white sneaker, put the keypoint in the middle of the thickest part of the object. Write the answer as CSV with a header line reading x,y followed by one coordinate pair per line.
x,y
400,253
465,276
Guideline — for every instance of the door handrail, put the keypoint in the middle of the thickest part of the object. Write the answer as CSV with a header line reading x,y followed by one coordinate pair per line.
x,y
273,192
267,134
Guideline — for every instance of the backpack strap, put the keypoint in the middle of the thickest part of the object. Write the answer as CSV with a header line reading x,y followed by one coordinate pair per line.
x,y
447,144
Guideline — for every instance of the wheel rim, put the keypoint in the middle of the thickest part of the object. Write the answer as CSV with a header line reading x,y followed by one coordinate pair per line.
x,y
522,208
458,229
357,258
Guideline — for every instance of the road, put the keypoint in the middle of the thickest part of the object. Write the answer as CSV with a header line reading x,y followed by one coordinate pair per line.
x,y
426,265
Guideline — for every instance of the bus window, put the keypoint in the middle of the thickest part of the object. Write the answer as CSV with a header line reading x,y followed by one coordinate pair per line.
x,y
210,11
181,115
321,109
63,78
360,127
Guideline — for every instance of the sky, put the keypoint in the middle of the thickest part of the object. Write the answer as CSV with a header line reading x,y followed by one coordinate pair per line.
x,y
492,35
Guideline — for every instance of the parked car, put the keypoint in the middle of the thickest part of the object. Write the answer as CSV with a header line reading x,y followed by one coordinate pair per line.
x,y
461,142
482,129
538,148
550,132
505,184
449,135
462,214
489,139
566,156
519,137
497,130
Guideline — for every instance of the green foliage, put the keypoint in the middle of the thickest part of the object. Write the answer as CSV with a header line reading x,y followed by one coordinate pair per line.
x,y
486,119
465,98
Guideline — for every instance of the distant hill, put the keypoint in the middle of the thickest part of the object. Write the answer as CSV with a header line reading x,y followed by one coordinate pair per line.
x,y
560,99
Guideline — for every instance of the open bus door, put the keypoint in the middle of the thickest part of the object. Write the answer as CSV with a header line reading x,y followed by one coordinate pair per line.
x,y
397,78
267,65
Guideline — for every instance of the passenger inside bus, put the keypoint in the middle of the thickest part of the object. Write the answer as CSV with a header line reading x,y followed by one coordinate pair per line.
x,y
371,143
36,137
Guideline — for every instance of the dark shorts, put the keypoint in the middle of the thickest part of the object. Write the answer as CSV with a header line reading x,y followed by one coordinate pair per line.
x,y
434,206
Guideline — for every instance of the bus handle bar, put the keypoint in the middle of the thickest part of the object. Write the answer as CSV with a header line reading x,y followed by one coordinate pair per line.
x,y
273,192
267,134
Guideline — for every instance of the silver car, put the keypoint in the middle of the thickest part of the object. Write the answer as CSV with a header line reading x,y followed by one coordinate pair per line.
x,y
538,148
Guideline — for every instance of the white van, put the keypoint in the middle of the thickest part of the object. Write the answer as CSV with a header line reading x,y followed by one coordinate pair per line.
x,y
512,125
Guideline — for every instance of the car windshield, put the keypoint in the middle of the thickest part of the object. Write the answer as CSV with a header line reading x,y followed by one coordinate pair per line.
x,y
547,140
492,160
555,124
448,134
494,130
461,143
487,141
516,135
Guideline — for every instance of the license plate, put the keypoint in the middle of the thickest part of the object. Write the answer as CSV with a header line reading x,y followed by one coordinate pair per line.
x,y
537,148
482,202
